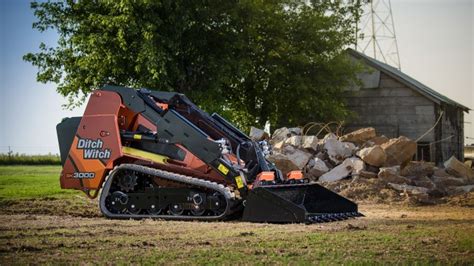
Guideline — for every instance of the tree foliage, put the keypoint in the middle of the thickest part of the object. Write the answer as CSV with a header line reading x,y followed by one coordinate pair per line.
x,y
252,60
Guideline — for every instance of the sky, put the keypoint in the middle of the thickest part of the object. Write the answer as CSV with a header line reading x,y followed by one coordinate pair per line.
x,y
435,40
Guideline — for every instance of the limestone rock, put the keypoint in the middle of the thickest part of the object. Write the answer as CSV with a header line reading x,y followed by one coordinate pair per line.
x,y
399,150
457,168
290,159
391,175
294,141
374,155
357,166
280,134
339,172
359,136
288,149
310,143
379,140
395,170
257,134
278,145
418,169
338,151
316,168
295,130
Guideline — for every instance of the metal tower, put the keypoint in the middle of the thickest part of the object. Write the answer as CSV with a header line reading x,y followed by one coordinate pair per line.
x,y
375,34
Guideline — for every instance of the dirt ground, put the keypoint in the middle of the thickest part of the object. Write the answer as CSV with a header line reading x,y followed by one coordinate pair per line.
x,y
71,230
40,223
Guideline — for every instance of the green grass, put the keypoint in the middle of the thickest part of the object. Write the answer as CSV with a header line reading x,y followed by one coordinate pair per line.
x,y
27,181
23,159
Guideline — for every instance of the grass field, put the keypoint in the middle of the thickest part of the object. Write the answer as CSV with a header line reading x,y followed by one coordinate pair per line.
x,y
39,223
22,181
23,159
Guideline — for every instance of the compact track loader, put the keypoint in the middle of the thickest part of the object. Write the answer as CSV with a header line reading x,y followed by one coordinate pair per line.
x,y
155,154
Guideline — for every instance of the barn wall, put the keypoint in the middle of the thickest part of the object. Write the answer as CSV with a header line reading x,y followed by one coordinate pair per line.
x,y
449,133
393,109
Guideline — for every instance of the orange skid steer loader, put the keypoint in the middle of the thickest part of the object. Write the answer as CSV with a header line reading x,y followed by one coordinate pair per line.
x,y
152,154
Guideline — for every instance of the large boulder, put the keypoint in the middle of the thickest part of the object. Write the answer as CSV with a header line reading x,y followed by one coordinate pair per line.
x,y
337,173
338,151
395,170
391,175
373,155
295,130
379,140
350,166
399,151
418,169
290,159
311,143
316,168
294,141
457,168
257,134
357,166
359,136
279,135
279,145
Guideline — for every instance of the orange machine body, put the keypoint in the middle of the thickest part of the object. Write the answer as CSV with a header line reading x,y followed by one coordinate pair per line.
x,y
97,146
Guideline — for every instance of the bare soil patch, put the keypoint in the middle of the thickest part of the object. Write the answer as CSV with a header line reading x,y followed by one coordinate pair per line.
x,y
428,234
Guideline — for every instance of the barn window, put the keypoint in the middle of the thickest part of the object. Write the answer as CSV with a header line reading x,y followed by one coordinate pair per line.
x,y
423,151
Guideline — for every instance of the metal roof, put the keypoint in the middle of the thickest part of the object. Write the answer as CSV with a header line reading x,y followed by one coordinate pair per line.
x,y
407,80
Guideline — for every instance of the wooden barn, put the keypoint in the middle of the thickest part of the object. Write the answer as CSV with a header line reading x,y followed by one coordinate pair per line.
x,y
396,104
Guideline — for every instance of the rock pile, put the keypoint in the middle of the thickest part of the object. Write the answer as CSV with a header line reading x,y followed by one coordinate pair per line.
x,y
362,165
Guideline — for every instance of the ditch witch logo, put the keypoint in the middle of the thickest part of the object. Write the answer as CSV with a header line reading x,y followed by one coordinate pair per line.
x,y
93,149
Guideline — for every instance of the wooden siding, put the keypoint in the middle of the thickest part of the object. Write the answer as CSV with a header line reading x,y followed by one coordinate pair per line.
x,y
393,109
449,133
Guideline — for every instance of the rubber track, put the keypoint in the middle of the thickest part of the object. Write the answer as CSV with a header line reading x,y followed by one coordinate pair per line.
x,y
195,182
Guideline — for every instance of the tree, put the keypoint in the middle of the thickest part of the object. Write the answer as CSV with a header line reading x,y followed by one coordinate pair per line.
x,y
252,61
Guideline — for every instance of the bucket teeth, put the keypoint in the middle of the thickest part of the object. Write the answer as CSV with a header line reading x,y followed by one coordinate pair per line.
x,y
332,217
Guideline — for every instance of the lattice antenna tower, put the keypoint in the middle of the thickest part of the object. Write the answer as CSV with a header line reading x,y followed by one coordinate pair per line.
x,y
376,36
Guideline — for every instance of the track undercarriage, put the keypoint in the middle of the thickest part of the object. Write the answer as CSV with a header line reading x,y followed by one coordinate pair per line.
x,y
133,191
